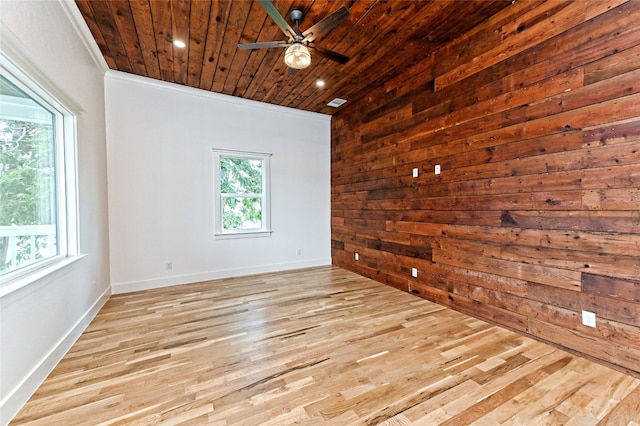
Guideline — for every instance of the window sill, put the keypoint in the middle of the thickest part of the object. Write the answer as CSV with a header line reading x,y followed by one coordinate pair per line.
x,y
231,236
24,280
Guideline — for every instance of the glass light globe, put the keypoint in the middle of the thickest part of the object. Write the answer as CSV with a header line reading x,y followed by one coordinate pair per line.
x,y
297,56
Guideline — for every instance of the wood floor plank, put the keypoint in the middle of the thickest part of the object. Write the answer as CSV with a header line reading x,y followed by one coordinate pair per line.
x,y
315,346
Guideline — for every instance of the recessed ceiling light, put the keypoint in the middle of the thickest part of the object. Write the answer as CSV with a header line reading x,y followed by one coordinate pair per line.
x,y
320,83
179,44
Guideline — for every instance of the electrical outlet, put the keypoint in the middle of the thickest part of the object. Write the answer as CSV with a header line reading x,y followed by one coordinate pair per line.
x,y
414,272
437,169
357,256
169,265
415,172
589,319
298,252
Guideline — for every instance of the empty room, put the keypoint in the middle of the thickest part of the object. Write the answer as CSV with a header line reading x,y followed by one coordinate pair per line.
x,y
346,212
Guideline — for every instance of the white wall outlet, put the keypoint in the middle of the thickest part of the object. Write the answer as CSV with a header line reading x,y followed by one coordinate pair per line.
x,y
437,169
414,272
415,172
589,319
169,265
298,252
357,256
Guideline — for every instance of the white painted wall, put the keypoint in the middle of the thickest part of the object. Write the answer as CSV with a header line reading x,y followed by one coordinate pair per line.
x,y
39,322
160,166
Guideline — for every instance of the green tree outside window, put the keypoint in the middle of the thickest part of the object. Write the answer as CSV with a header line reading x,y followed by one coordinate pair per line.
x,y
241,188
27,177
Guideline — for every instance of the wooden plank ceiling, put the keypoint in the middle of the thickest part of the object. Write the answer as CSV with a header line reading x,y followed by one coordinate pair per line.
x,y
382,38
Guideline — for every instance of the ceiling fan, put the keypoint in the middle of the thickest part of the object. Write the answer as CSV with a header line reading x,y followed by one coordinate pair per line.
x,y
297,55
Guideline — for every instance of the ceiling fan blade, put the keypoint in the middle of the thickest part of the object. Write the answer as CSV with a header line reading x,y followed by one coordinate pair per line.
x,y
277,18
330,54
326,24
263,45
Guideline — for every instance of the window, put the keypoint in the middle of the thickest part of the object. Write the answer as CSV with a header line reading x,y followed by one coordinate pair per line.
x,y
241,194
36,167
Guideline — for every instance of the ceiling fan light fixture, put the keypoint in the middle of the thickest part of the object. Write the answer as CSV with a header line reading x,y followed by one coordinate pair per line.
x,y
297,56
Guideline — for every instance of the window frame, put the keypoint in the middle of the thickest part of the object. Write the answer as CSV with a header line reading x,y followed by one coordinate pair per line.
x,y
219,197
31,81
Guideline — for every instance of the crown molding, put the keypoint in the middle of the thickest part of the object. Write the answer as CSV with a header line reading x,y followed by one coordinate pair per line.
x,y
79,24
191,91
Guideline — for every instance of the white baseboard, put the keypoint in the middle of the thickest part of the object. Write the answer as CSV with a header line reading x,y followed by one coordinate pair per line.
x,y
127,287
16,399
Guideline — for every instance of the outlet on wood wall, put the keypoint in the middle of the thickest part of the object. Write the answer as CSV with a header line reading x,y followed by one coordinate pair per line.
x,y
534,118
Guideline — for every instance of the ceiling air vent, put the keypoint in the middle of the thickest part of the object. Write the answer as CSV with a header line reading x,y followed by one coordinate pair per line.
x,y
337,102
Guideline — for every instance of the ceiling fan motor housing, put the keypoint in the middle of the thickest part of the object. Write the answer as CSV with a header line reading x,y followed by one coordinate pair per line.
x,y
296,16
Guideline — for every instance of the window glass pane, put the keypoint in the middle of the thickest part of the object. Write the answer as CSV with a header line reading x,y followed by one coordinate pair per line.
x,y
28,231
241,199
240,176
241,213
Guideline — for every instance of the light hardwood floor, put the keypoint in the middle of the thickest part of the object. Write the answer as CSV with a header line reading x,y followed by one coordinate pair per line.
x,y
316,346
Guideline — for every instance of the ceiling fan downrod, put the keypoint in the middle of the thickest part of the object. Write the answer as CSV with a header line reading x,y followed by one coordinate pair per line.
x,y
296,17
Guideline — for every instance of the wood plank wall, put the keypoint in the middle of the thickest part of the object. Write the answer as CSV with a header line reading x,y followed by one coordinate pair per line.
x,y
534,118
